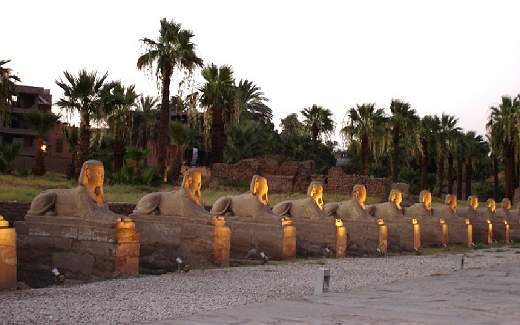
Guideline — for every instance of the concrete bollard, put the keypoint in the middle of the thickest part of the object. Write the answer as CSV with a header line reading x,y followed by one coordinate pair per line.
x,y
322,282
7,255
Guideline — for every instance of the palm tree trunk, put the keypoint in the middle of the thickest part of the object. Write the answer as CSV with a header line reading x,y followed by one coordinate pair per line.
x,y
469,177
119,152
495,176
39,161
395,154
218,136
424,164
364,154
440,173
510,170
460,168
177,162
451,178
84,139
164,123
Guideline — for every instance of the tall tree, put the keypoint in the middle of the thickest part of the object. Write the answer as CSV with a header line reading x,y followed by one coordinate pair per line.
x,y
117,104
7,91
365,128
218,95
448,125
502,126
403,120
475,147
318,120
291,126
173,49
144,120
82,94
252,102
429,127
42,123
495,153
71,136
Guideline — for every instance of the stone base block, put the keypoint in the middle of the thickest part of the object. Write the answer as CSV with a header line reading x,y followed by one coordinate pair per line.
x,y
482,232
460,233
275,238
78,249
403,236
433,232
196,241
7,258
314,236
501,232
366,238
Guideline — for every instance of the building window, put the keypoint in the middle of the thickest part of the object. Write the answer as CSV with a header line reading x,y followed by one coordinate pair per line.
x,y
59,145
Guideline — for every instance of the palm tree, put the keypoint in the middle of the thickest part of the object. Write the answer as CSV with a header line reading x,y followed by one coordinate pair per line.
x,y
318,120
452,142
42,123
7,91
70,134
448,125
144,120
117,104
180,137
173,49
218,94
460,156
82,94
429,128
402,122
365,127
291,126
495,153
8,154
252,102
502,126
475,147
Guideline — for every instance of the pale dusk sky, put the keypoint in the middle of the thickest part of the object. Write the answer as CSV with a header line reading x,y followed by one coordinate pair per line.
x,y
456,57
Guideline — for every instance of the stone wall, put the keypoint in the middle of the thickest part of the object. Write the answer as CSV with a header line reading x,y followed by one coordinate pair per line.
x,y
286,176
339,182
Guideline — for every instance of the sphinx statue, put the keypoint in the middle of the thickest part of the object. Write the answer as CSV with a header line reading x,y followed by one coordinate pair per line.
x,y
253,204
449,209
472,211
352,210
84,201
185,202
390,210
423,208
508,213
480,219
461,230
310,207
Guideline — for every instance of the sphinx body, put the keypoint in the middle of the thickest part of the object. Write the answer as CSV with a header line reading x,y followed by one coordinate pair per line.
x,y
460,228
254,225
403,231
85,201
366,234
310,207
479,218
512,217
185,202
434,230
498,220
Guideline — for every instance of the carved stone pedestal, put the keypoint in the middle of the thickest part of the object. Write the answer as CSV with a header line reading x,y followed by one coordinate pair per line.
x,y
482,232
314,236
7,255
276,238
196,241
434,231
460,232
78,248
367,238
404,235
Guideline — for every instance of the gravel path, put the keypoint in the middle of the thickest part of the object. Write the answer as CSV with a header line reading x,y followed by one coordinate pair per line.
x,y
152,298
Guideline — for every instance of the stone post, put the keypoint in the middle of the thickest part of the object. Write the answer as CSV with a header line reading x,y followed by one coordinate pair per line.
x,y
7,255
127,248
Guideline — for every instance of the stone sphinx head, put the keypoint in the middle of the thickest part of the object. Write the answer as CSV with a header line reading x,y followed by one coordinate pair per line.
x,y
396,197
92,177
506,204
192,183
451,201
473,202
425,197
359,193
491,205
259,189
315,191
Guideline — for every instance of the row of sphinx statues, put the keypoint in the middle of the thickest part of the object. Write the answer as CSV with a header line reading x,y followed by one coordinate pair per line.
x,y
167,226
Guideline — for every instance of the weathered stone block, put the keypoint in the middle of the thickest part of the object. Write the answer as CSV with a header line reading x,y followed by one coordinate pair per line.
x,y
366,238
8,261
313,236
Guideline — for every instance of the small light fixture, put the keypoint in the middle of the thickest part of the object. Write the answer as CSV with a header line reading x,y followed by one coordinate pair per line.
x,y
43,148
